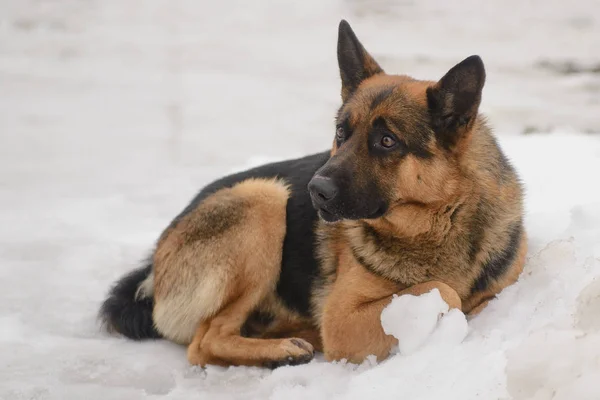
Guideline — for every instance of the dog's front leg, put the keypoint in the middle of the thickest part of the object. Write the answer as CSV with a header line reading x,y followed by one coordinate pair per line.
x,y
351,325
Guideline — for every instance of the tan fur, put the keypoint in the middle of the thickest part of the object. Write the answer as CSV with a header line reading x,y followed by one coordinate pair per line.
x,y
215,266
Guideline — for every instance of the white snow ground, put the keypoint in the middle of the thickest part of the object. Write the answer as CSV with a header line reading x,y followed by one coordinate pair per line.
x,y
113,113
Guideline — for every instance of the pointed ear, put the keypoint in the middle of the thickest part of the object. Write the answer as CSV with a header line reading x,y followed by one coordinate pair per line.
x,y
355,63
454,101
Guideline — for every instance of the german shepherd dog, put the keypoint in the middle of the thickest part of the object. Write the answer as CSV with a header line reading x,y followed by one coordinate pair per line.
x,y
266,266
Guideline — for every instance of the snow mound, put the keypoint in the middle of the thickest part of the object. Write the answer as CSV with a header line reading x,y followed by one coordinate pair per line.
x,y
557,365
556,351
417,320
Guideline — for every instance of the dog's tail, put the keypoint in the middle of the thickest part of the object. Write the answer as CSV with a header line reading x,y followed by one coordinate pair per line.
x,y
128,308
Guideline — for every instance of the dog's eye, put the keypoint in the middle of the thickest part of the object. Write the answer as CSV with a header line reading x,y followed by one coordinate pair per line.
x,y
388,141
339,133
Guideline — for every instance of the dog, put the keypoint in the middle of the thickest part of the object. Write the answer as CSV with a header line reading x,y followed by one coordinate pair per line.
x,y
267,266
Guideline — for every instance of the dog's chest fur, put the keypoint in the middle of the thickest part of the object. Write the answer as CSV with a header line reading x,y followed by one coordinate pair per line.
x,y
439,252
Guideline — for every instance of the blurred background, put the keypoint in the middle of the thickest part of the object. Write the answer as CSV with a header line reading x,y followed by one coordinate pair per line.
x,y
209,82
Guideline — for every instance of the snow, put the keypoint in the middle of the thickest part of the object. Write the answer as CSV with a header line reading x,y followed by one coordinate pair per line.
x,y
417,320
113,114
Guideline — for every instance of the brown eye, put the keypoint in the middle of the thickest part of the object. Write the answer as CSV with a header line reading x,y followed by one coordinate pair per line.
x,y
339,133
387,141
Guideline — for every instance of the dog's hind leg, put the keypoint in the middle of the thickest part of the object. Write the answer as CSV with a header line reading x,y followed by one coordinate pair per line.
x,y
213,269
218,341
201,264
255,249
299,329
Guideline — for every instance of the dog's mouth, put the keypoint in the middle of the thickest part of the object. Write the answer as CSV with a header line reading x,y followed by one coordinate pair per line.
x,y
330,217
381,209
327,216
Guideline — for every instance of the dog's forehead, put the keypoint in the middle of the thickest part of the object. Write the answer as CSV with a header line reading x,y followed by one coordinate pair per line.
x,y
392,96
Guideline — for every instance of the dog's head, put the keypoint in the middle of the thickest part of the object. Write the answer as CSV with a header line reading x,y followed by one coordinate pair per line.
x,y
397,140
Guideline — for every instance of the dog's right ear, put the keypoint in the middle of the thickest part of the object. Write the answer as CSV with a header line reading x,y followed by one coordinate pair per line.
x,y
355,63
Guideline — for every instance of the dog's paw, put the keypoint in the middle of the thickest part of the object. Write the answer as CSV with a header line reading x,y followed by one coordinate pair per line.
x,y
297,351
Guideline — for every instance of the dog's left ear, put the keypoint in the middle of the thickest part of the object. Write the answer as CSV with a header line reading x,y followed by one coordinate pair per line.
x,y
454,101
355,63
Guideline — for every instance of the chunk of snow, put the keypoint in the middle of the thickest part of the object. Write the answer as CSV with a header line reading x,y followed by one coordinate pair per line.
x,y
415,320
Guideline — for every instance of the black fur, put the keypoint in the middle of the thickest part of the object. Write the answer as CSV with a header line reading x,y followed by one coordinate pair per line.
x,y
345,125
415,143
453,102
256,323
418,125
480,221
121,312
381,96
358,195
497,264
377,132
352,60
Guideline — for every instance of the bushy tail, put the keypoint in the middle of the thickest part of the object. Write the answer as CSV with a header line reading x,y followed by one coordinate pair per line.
x,y
129,311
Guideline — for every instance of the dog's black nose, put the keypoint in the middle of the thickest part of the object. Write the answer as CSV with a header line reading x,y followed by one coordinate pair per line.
x,y
322,190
